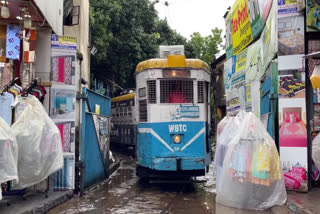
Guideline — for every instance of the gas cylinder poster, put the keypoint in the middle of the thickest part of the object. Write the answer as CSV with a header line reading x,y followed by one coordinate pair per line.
x,y
292,97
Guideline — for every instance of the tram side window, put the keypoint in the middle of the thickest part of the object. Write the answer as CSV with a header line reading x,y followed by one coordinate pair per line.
x,y
152,91
142,92
130,111
201,94
118,112
143,111
125,111
176,91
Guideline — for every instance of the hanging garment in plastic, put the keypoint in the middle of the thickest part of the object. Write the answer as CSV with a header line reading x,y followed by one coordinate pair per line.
x,y
316,151
39,144
8,154
249,174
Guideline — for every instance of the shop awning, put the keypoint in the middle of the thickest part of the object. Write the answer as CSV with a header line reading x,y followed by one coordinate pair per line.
x,y
42,12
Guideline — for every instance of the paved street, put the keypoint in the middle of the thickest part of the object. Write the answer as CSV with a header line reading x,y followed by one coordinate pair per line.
x,y
125,193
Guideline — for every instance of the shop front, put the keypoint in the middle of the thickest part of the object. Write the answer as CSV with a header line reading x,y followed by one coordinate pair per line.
x,y
268,71
37,100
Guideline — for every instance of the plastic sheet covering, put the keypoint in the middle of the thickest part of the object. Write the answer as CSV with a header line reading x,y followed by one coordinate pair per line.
x,y
316,151
39,143
248,170
8,154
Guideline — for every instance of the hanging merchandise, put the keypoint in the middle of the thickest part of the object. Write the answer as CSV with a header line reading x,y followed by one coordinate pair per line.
x,y
250,175
29,45
39,143
6,104
8,154
3,36
13,42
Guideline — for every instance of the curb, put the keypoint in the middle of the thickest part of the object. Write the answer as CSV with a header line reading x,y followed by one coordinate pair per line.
x,y
50,204
296,208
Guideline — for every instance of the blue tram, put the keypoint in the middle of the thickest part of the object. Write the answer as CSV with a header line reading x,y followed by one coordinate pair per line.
x,y
124,126
173,116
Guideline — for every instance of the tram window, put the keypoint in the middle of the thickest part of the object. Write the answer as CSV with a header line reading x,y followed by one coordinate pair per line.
x,y
152,91
142,92
118,112
143,111
129,111
201,92
125,109
176,91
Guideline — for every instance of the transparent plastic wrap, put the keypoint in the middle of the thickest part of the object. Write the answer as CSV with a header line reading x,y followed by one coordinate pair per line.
x,y
8,154
39,144
225,127
250,174
316,151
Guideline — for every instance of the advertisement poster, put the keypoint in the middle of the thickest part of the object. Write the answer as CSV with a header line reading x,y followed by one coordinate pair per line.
x,y
313,15
229,47
245,23
292,98
227,74
268,40
291,35
63,59
287,8
241,26
62,105
238,78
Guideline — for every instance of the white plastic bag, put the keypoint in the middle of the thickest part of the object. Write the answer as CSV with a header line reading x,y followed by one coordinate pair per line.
x,y
39,143
250,176
316,151
8,154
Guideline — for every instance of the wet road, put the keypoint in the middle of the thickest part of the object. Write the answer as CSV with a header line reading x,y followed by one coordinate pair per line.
x,y
125,193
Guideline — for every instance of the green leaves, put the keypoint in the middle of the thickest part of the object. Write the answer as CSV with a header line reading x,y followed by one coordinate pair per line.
x,y
126,32
205,48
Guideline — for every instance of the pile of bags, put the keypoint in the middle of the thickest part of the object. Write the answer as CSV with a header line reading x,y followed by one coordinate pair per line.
x,y
31,149
247,165
8,154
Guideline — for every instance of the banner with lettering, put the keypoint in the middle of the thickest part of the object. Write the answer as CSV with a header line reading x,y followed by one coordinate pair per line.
x,y
241,26
245,23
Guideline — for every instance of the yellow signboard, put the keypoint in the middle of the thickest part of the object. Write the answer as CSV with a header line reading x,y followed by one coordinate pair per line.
x,y
241,26
241,62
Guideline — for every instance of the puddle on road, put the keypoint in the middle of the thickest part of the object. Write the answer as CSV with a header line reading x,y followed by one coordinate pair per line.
x,y
124,193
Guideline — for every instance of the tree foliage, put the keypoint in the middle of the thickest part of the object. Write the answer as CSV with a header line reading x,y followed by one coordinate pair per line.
x,y
126,32
205,48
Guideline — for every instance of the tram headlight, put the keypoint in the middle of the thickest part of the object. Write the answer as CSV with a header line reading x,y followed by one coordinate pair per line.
x,y
176,139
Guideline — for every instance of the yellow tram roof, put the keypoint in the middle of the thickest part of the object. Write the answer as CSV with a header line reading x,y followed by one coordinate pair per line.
x,y
173,61
123,97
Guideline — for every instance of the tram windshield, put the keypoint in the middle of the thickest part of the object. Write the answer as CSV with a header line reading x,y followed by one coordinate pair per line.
x,y
176,91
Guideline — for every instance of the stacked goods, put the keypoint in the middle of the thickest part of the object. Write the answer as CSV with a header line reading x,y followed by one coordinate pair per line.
x,y
248,169
291,86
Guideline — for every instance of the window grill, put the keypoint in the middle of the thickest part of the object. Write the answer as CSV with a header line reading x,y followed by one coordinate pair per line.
x,y
118,112
152,91
143,111
201,94
176,91
129,111
125,111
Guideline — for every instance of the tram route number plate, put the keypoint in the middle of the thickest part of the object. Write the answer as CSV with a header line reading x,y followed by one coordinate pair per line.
x,y
189,111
